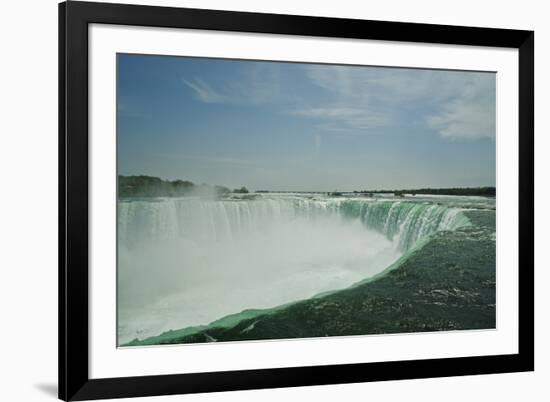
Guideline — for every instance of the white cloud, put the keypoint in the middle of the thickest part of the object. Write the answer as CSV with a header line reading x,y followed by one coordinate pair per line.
x,y
257,84
471,114
204,92
463,120
348,117
346,106
458,105
355,100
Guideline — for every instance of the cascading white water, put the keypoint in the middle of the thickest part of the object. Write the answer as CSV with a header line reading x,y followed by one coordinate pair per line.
x,y
187,261
163,219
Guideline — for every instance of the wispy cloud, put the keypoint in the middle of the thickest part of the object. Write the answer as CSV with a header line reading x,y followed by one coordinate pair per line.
x,y
347,105
470,115
354,117
255,84
360,100
204,92
458,105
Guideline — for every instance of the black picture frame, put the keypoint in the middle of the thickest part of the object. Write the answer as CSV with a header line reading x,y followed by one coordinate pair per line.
x,y
74,381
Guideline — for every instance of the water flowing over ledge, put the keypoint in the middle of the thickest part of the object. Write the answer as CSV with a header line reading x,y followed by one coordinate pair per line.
x,y
404,222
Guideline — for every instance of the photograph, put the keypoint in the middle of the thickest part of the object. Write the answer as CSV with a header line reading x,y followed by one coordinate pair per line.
x,y
264,200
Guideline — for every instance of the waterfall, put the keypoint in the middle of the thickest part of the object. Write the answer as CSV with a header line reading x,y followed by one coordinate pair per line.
x,y
404,222
189,261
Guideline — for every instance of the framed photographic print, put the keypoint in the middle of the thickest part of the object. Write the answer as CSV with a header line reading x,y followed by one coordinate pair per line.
x,y
256,200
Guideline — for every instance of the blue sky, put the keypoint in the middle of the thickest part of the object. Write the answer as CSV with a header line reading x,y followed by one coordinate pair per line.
x,y
293,126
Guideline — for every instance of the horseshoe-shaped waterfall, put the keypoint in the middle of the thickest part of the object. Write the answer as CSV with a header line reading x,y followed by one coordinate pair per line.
x,y
187,262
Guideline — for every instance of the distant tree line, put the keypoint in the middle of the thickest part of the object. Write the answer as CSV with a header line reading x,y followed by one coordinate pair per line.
x,y
149,186
242,190
479,191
